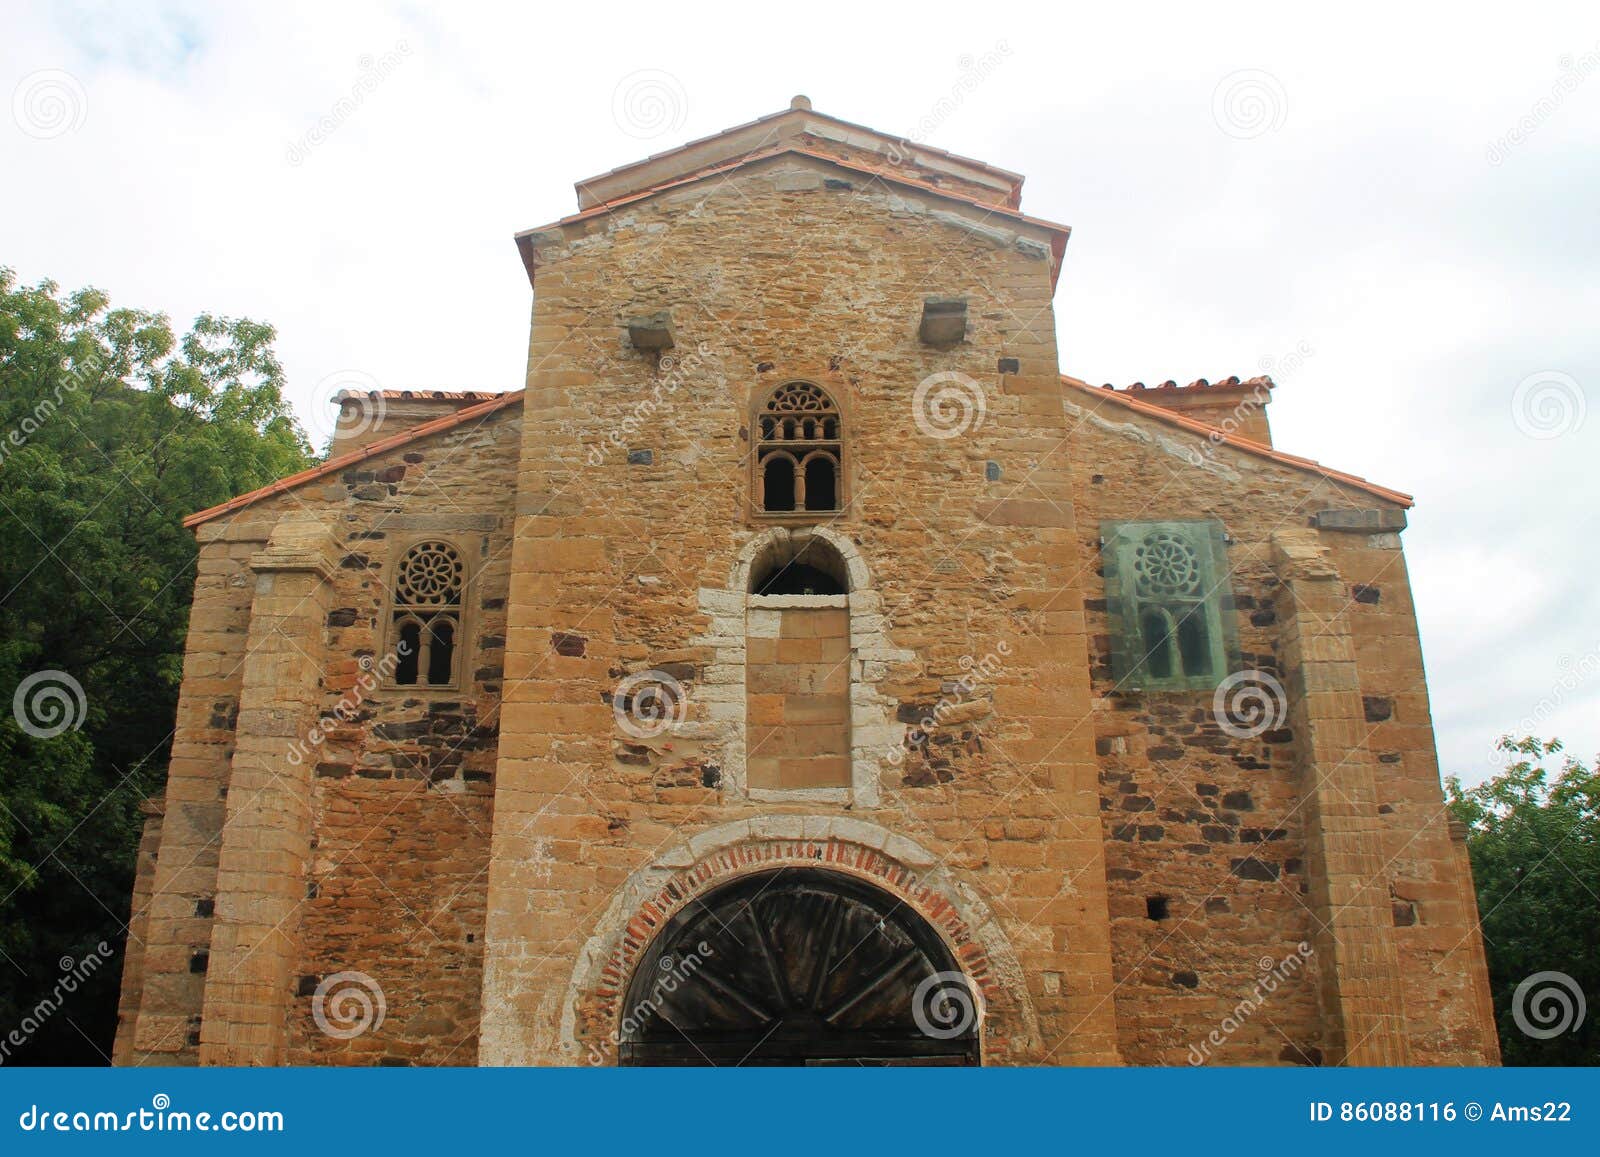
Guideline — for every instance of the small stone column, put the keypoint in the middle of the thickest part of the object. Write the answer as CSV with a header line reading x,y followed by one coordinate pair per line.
x,y
266,837
1357,962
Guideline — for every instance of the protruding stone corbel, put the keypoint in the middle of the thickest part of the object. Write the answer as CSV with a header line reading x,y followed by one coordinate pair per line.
x,y
651,333
944,320
299,543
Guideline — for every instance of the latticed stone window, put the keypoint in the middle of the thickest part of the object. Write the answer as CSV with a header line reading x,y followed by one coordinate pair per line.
x,y
1170,604
425,615
799,451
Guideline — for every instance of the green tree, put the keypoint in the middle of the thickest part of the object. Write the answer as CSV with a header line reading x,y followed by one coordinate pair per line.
x,y
112,429
1534,841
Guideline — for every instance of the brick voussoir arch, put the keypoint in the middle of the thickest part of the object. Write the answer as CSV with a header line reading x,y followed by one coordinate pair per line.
x,y
657,892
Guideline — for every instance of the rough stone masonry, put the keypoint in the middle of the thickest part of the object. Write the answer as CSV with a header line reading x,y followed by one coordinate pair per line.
x,y
799,635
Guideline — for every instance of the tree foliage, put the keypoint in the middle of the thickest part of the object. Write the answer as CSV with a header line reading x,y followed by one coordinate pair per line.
x,y
112,428
1535,845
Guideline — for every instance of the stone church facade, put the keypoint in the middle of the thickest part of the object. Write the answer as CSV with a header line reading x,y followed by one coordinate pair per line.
x,y
801,669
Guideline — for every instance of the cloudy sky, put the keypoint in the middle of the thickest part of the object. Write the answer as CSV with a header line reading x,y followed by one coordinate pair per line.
x,y
1397,213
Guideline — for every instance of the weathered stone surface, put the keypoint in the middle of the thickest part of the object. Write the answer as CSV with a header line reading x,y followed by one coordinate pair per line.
x,y
494,853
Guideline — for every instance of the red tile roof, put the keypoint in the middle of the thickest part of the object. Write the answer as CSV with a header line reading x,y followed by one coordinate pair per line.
x,y
1184,422
423,395
495,403
1059,233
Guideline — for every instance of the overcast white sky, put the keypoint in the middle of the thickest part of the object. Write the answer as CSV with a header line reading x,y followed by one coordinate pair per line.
x,y
1411,201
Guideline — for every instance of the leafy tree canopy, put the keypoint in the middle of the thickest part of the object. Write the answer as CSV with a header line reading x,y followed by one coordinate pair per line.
x,y
1534,841
112,429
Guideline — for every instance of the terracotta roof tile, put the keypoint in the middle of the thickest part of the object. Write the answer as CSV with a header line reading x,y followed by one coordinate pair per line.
x,y
1183,421
495,402
1059,233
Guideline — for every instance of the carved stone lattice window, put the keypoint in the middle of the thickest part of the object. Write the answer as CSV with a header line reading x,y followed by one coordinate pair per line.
x,y
1170,604
799,452
426,615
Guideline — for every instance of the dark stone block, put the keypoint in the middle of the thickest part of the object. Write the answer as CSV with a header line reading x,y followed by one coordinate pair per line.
x,y
1009,366
1166,752
1216,904
1365,594
1405,914
1216,834
641,457
1251,868
205,908
1185,979
199,962
1377,708
1124,832
1263,618
1136,803
1150,832
572,646
334,770
356,562
1206,788
307,986
1239,801
343,617
1123,873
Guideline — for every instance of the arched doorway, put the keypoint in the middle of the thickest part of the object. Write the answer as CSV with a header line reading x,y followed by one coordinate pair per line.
x,y
799,966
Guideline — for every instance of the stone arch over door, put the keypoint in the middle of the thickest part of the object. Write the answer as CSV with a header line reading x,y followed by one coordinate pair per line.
x,y
595,1006
798,966
873,732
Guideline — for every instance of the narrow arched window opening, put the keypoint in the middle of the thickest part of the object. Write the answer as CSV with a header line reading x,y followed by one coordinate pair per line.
x,y
822,491
1157,630
809,566
800,455
426,611
777,483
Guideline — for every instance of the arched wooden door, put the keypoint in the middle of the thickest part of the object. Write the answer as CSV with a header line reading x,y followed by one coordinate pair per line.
x,y
799,966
